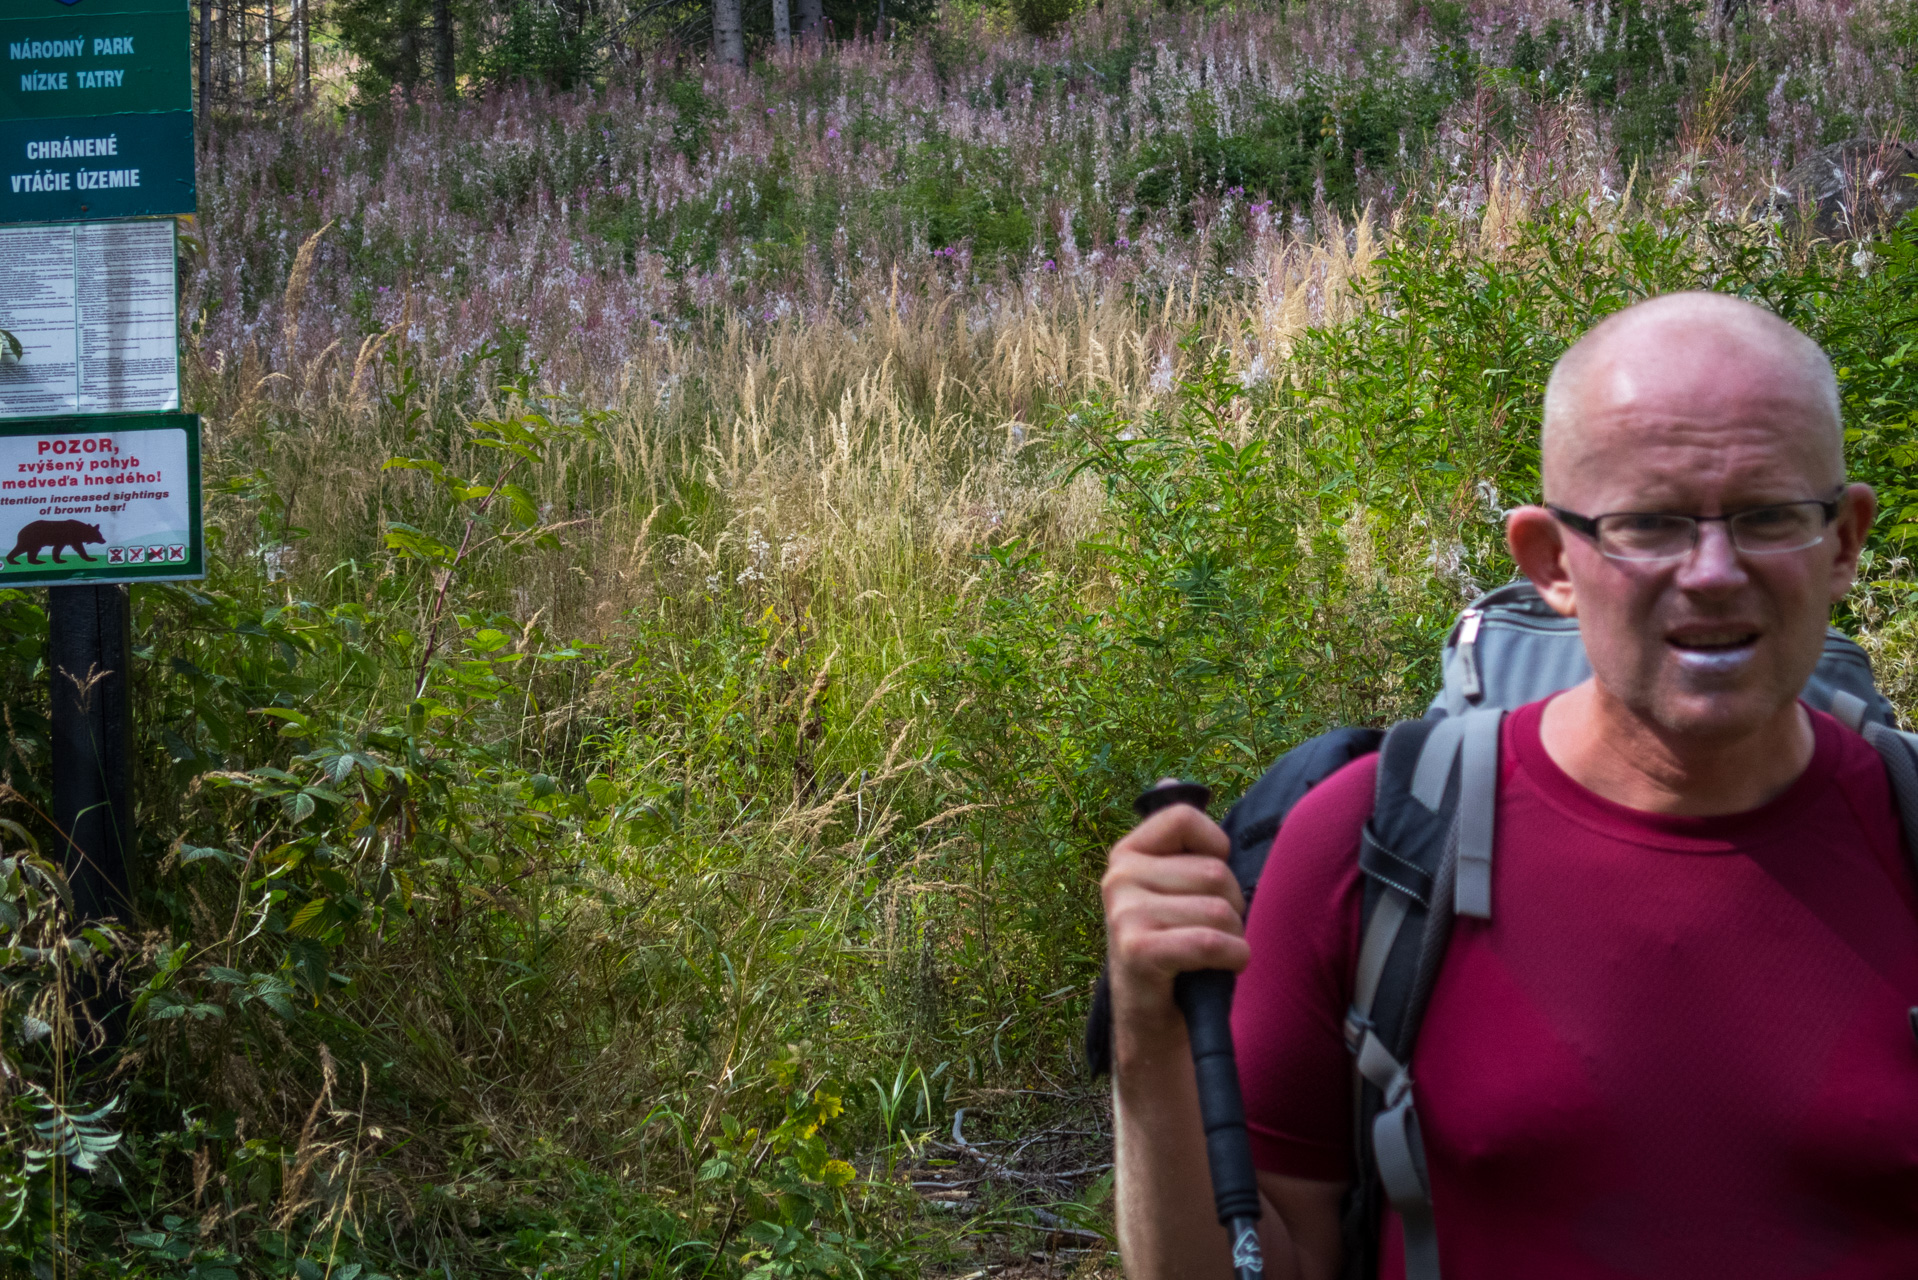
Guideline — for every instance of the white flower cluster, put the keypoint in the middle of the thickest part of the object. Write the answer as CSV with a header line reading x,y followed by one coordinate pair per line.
x,y
757,552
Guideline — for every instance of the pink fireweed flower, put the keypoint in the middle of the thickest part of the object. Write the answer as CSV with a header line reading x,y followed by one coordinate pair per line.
x,y
523,256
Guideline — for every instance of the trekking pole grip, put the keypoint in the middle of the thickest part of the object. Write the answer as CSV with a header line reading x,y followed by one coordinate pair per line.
x,y
1205,998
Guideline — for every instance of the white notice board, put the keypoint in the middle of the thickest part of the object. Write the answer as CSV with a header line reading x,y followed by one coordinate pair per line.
x,y
94,306
102,499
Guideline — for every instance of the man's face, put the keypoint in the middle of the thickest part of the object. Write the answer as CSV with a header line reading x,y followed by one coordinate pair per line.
x,y
1715,644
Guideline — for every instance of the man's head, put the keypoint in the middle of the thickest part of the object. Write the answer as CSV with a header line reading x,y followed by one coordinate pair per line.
x,y
1694,404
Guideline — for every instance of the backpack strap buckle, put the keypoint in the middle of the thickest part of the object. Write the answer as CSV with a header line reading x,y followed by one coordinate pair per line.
x,y
1380,1068
1469,683
1400,1152
1358,1026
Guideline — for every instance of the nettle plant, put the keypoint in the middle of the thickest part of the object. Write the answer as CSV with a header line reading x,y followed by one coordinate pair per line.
x,y
48,1131
354,801
499,516
362,801
781,1203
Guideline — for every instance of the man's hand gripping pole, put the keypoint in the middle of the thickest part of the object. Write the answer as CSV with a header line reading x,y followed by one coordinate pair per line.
x,y
1205,998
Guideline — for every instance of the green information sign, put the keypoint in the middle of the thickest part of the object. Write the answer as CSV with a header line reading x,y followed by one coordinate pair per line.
x,y
96,110
83,62
43,8
90,167
109,499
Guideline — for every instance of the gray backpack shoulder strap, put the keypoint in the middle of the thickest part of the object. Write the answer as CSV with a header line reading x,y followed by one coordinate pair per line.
x,y
1471,740
1427,858
1899,751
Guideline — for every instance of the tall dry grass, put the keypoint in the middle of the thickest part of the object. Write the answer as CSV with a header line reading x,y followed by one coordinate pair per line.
x,y
876,454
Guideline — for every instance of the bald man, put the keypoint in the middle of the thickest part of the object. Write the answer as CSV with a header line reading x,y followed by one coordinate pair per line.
x,y
1681,1048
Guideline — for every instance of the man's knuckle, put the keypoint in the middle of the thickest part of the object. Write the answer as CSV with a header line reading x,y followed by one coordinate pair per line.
x,y
1121,873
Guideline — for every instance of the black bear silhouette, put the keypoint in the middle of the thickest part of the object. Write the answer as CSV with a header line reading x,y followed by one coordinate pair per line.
x,y
55,536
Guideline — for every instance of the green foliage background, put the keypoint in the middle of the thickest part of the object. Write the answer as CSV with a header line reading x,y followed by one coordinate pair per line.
x,y
473,945
343,823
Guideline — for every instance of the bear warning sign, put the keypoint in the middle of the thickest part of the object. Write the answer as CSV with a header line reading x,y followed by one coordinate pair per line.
x,y
107,499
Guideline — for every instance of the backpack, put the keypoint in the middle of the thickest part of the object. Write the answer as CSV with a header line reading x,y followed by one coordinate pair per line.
x,y
1426,856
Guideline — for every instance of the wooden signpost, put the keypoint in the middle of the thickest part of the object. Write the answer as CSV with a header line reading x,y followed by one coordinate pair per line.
x,y
99,471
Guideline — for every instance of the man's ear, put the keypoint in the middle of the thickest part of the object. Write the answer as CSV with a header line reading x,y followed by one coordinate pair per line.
x,y
1851,526
1538,544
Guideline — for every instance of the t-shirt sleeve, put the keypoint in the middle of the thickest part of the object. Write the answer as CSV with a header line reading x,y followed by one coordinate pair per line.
x,y
1289,1010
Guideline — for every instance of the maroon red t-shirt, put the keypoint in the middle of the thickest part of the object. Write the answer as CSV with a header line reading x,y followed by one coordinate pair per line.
x,y
1680,1048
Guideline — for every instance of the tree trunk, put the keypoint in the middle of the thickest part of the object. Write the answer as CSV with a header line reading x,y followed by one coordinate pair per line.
x,y
443,46
812,19
272,45
409,64
206,54
729,39
306,50
782,25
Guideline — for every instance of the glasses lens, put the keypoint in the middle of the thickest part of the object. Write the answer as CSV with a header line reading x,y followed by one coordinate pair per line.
x,y
1645,536
1790,526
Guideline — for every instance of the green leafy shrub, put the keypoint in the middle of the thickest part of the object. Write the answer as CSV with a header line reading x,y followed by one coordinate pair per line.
x,y
1042,17
1325,136
788,1213
1655,53
55,983
1867,317
477,948
969,195
1236,603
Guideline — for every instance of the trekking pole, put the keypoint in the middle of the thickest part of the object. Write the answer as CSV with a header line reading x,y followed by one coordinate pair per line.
x,y
1205,998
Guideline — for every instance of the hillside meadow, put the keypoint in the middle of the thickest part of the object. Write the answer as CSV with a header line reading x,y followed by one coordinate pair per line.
x,y
702,562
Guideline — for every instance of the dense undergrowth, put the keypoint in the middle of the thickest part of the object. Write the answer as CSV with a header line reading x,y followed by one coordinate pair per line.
x,y
643,755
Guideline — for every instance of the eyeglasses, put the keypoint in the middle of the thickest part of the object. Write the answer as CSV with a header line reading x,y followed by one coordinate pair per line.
x,y
1661,535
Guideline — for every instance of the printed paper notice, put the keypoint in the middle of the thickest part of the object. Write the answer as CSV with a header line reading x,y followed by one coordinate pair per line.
x,y
115,503
93,306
